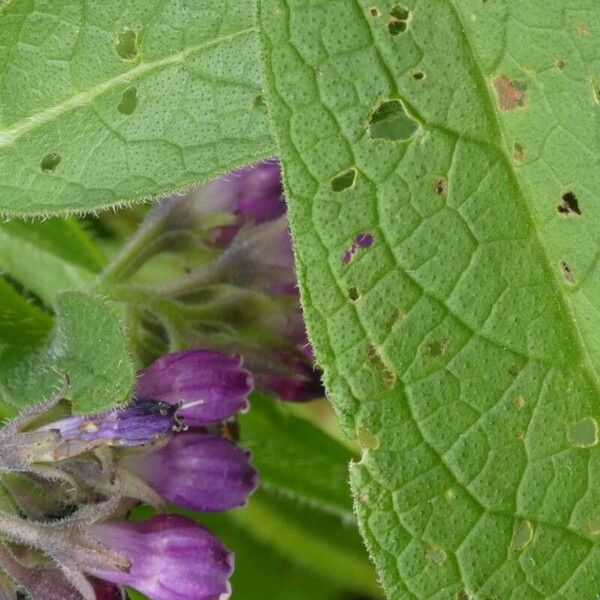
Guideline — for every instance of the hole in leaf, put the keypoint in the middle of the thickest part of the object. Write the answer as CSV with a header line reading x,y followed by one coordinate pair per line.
x,y
398,22
440,185
463,594
523,535
569,204
389,121
418,75
435,555
374,12
567,272
129,101
127,45
584,433
437,347
50,162
354,294
344,180
560,64
259,102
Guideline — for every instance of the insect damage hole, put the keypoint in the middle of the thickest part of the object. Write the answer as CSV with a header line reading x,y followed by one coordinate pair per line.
x,y
374,12
127,44
50,162
354,294
398,23
343,180
129,101
569,205
418,75
390,121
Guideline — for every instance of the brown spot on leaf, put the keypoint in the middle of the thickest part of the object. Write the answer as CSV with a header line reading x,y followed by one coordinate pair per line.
x,y
518,154
511,93
560,64
386,375
567,272
440,185
583,30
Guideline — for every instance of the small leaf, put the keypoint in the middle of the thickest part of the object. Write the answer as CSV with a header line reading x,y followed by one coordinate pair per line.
x,y
87,347
107,102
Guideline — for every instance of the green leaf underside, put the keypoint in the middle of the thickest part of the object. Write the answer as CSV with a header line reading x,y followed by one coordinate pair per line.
x,y
107,102
87,347
460,348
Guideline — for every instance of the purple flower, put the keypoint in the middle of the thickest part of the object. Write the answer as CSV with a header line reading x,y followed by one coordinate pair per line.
x,y
196,471
253,194
171,558
210,386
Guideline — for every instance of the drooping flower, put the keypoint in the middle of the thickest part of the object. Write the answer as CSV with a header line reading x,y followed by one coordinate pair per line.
x,y
241,296
141,451
170,558
197,471
211,386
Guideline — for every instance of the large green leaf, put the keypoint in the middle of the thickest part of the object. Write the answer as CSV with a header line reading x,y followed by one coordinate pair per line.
x,y
460,342
106,102
87,350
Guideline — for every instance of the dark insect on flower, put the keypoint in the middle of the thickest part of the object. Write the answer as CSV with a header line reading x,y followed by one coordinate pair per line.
x,y
73,479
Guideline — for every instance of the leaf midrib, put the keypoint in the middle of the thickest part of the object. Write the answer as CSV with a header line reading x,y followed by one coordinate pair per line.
x,y
501,144
12,134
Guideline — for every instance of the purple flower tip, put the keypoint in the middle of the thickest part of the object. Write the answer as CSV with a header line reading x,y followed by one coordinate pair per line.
x,y
197,471
207,386
172,558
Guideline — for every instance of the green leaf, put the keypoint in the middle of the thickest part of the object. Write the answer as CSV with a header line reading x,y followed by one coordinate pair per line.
x,y
460,341
320,542
87,347
65,238
21,322
107,102
297,459
48,257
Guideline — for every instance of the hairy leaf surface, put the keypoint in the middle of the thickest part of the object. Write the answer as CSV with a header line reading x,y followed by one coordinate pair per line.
x,y
87,354
106,102
441,161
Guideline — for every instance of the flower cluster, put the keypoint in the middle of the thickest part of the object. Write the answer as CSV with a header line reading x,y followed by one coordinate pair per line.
x,y
69,481
236,290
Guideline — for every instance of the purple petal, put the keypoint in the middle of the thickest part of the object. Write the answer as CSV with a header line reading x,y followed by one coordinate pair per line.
x,y
107,591
216,382
172,558
197,471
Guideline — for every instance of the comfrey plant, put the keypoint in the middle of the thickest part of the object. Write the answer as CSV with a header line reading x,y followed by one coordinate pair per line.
x,y
69,481
237,291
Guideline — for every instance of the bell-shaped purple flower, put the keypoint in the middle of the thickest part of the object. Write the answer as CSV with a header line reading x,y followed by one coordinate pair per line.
x,y
210,386
171,558
196,471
